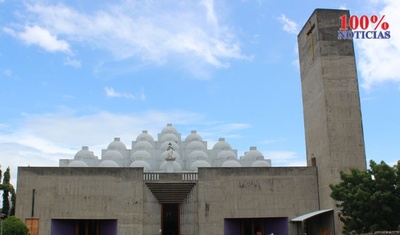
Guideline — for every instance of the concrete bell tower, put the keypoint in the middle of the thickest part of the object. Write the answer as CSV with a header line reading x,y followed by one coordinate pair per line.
x,y
331,101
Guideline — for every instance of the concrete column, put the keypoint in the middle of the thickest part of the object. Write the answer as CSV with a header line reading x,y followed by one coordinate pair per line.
x,y
331,101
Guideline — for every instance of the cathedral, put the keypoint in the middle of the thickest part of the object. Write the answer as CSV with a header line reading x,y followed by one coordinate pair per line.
x,y
169,154
168,185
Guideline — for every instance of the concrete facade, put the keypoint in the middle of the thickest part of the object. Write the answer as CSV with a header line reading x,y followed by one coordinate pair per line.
x,y
179,187
84,193
122,194
254,193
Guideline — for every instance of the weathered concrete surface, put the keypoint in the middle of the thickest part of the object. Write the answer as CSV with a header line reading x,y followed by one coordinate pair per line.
x,y
331,102
121,194
82,193
254,193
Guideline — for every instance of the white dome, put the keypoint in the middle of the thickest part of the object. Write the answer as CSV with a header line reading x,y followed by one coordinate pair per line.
x,y
169,129
222,145
169,138
142,154
174,154
225,154
193,136
84,153
165,145
77,163
231,163
199,163
108,163
198,154
195,145
112,154
141,163
117,145
145,137
177,167
253,155
142,145
260,163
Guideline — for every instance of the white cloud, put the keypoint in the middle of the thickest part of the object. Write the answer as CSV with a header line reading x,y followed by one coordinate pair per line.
x,y
141,95
41,140
25,149
157,32
110,92
296,62
271,141
36,35
74,130
224,130
378,58
8,72
284,158
289,25
211,16
9,31
72,62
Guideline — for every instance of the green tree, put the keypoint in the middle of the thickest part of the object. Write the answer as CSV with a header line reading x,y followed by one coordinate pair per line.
x,y
369,200
7,189
14,226
6,193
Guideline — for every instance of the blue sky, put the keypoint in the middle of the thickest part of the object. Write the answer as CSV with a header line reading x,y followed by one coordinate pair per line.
x,y
76,73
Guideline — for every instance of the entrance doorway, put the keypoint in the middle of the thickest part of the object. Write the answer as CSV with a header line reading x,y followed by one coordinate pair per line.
x,y
83,227
170,219
253,225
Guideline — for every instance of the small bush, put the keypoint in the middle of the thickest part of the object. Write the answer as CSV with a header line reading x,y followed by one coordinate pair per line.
x,y
14,226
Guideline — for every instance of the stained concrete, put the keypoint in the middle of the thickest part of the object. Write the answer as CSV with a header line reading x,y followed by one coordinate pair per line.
x,y
331,101
122,194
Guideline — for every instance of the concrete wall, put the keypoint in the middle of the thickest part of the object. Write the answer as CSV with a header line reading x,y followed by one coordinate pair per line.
x,y
331,102
254,193
84,193
152,213
189,214
120,194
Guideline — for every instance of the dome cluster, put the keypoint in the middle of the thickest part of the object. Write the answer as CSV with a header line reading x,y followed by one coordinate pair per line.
x,y
168,154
